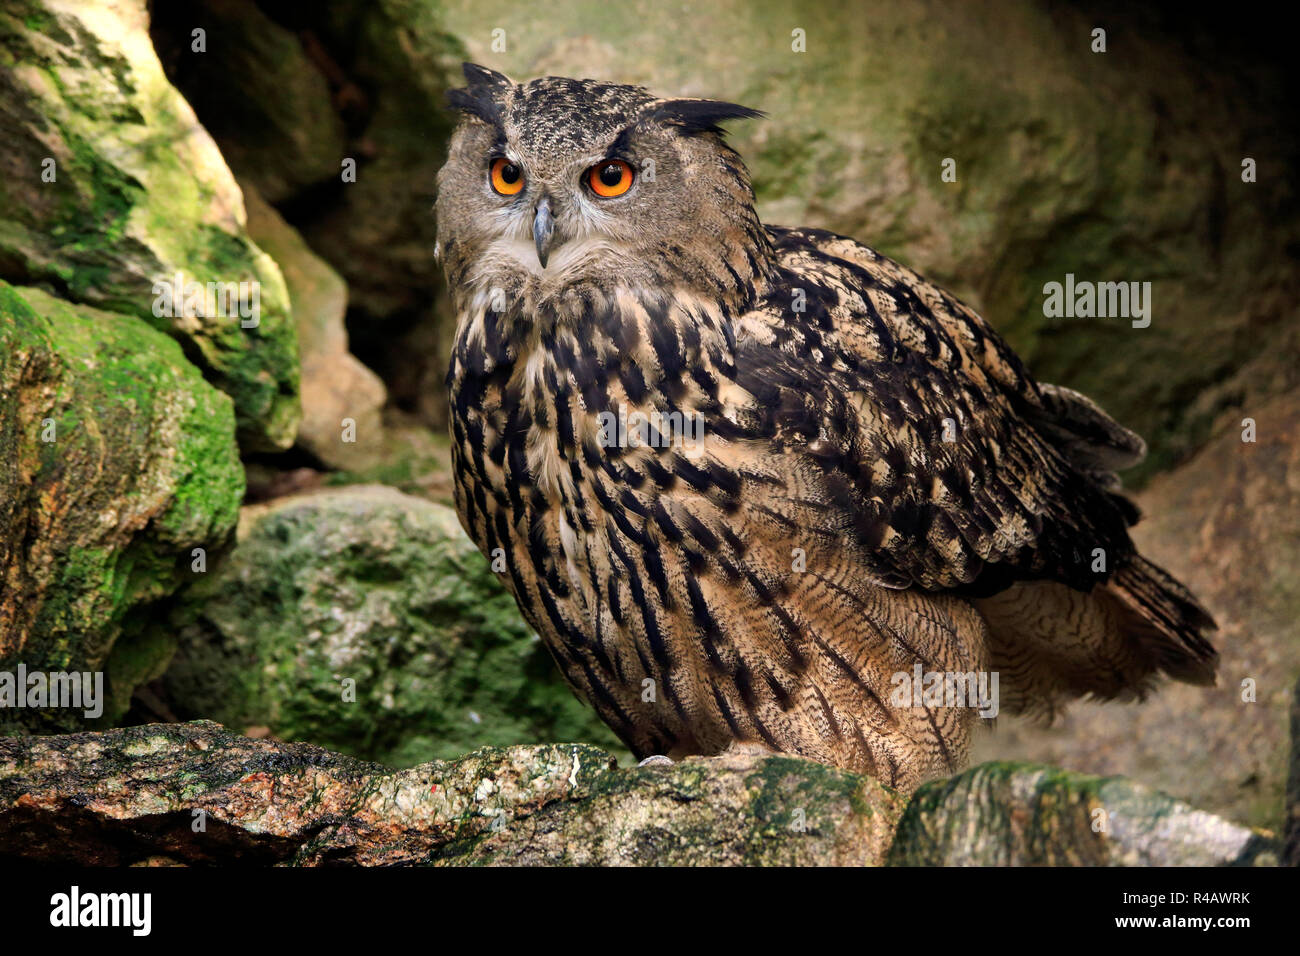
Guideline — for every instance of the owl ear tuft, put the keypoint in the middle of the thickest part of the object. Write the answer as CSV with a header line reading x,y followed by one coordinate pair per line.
x,y
701,116
479,77
480,97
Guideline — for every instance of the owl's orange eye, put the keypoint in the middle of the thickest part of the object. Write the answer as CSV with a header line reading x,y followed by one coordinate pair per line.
x,y
610,178
507,177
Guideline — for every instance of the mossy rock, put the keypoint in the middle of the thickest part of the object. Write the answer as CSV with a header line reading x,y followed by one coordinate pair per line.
x,y
268,105
389,64
117,460
735,809
365,620
131,796
1012,814
110,189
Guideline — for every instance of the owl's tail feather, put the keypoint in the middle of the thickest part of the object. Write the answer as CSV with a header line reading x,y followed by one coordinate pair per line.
x,y
1052,643
1165,619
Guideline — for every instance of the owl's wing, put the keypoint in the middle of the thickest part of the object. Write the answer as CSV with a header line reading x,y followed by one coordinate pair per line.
x,y
959,471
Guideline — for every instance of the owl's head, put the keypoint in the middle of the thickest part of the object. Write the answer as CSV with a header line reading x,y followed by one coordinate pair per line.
x,y
557,182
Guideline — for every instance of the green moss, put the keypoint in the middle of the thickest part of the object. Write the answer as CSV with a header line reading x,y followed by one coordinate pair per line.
x,y
138,198
143,469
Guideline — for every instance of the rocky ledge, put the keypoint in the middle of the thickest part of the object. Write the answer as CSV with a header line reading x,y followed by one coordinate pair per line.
x,y
196,793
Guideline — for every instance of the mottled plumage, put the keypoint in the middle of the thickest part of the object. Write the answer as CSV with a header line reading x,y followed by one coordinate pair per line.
x,y
880,482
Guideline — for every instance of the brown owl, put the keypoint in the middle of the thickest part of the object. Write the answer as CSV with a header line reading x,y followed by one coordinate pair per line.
x,y
763,486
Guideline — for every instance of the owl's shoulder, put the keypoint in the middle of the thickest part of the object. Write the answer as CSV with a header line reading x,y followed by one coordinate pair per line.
x,y
833,291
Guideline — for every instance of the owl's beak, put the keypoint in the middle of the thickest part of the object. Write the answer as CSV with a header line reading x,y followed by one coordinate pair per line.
x,y
543,230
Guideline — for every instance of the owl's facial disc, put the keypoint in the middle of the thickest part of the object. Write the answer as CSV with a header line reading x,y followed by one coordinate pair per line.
x,y
557,183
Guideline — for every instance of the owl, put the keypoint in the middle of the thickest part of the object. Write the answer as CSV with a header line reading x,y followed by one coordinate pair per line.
x,y
762,487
